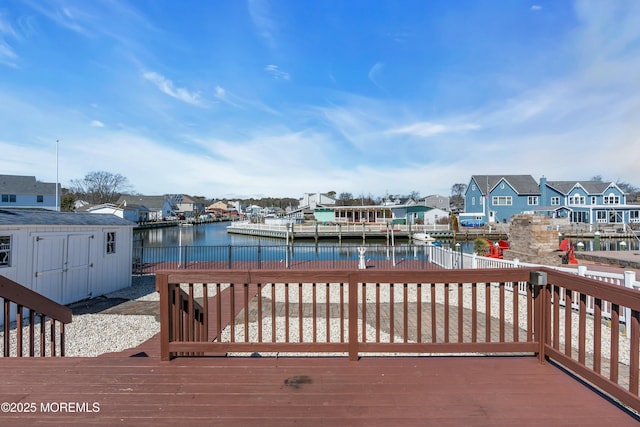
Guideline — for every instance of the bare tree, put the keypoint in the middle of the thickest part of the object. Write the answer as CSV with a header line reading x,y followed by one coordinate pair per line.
x,y
457,196
345,199
100,187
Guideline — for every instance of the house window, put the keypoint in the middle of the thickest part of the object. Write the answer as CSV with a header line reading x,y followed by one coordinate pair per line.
x,y
615,217
611,200
594,200
473,201
39,199
111,242
532,200
577,200
555,201
8,198
601,217
634,216
502,200
5,251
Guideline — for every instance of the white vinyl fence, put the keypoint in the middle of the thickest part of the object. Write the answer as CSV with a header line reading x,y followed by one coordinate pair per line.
x,y
450,259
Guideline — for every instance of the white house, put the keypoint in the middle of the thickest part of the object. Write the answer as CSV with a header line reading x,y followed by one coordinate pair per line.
x,y
65,256
130,212
313,200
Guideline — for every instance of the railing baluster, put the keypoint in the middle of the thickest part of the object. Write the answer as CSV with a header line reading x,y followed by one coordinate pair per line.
x,y
634,352
447,305
487,315
391,312
460,313
286,312
377,312
474,312
567,323
419,312
501,312
19,331
434,324
597,335
615,344
582,326
314,310
300,325
341,312
259,319
246,311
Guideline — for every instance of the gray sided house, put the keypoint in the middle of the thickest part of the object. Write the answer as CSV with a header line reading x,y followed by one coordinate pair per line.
x,y
65,256
159,207
26,192
498,197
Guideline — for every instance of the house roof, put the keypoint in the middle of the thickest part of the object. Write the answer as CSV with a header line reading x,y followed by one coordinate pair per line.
x,y
522,184
11,216
16,184
151,202
591,187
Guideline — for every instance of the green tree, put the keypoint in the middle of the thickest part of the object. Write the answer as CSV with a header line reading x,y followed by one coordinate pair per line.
x,y
67,203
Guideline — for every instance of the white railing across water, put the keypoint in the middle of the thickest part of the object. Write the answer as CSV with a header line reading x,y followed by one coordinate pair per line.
x,y
449,258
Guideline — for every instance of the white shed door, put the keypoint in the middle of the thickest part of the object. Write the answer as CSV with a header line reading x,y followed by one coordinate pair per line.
x,y
49,258
62,266
77,284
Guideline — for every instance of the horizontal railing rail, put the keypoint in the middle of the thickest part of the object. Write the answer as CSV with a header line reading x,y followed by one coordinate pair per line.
x,y
298,256
578,337
350,312
41,313
369,312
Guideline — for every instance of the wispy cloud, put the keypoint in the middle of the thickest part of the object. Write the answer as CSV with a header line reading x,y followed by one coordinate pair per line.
x,y
429,129
165,85
97,124
260,13
7,54
276,73
536,7
375,74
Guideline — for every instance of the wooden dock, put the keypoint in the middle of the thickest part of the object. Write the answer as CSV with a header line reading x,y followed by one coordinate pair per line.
x,y
362,232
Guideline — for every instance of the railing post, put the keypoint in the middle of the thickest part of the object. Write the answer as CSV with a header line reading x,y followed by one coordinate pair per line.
x,y
629,281
162,286
538,280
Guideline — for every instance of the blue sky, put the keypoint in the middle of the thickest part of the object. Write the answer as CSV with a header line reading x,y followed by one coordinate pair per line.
x,y
281,97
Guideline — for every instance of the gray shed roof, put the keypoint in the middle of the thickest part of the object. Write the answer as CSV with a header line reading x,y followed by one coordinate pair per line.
x,y
46,217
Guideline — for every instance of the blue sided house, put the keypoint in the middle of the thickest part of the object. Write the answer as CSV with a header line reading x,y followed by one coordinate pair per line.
x,y
498,197
495,198
26,192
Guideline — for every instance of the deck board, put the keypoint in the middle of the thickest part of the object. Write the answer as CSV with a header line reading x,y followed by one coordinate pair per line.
x,y
373,391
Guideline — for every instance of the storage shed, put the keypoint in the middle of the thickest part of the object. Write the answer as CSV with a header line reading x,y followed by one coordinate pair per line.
x,y
65,256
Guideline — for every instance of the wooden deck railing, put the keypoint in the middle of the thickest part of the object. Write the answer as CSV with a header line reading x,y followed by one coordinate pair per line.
x,y
23,303
362,312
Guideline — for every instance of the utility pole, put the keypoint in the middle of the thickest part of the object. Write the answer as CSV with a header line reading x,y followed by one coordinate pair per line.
x,y
57,179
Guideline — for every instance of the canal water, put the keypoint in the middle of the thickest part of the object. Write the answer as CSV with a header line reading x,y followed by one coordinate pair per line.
x,y
215,234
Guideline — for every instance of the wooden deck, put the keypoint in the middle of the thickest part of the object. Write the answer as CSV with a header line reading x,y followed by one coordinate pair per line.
x,y
135,387
375,391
